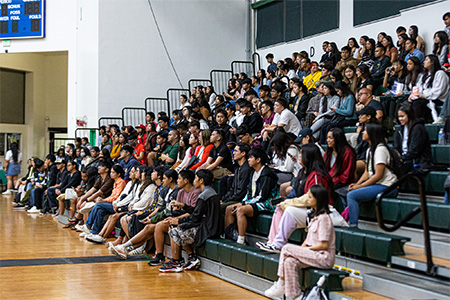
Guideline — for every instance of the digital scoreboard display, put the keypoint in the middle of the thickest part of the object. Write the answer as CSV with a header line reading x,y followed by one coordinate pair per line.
x,y
21,19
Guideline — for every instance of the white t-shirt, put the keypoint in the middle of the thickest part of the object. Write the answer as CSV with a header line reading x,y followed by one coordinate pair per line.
x,y
9,157
289,119
381,156
405,141
255,178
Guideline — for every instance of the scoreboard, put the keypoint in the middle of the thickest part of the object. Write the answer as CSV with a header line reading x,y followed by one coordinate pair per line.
x,y
21,19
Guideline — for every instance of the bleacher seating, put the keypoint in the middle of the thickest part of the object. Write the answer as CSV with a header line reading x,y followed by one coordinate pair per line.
x,y
360,245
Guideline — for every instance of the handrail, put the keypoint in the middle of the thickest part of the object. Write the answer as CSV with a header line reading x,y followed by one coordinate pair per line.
x,y
431,267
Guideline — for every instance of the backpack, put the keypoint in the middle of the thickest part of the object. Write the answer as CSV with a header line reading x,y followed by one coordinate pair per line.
x,y
396,164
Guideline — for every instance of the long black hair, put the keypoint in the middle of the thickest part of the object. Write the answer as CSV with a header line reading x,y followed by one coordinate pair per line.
x,y
281,142
312,161
443,40
377,136
15,151
147,170
340,144
409,111
415,30
322,195
435,66
412,76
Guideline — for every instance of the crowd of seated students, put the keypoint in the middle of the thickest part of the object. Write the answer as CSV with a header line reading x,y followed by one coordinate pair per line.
x,y
220,160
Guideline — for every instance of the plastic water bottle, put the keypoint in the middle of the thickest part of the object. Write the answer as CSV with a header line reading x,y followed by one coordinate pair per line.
x,y
441,137
321,281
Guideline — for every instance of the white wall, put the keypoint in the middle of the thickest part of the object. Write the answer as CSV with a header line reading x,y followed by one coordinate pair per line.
x,y
200,36
428,18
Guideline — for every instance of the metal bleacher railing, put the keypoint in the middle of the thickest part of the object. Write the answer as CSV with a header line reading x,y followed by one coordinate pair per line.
x,y
133,115
156,105
219,79
173,96
246,67
431,268
56,143
196,82
104,121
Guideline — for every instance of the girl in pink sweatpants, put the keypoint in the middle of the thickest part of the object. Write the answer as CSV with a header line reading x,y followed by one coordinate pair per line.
x,y
318,250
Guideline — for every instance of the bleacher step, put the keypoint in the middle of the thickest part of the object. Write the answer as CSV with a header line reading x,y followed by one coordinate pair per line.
x,y
353,289
416,197
415,259
405,287
440,242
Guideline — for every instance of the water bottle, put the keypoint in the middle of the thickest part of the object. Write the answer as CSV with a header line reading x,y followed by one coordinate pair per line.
x,y
441,137
321,281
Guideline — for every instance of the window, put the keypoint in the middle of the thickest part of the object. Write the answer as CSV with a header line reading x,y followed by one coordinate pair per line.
x,y
12,96
281,21
365,11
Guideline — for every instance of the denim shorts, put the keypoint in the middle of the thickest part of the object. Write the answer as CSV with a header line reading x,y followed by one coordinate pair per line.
x,y
13,169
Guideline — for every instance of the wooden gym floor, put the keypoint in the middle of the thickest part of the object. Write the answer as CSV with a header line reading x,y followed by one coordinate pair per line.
x,y
29,244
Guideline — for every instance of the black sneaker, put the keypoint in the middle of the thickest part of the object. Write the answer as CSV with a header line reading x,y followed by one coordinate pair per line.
x,y
193,263
19,206
268,248
158,260
172,266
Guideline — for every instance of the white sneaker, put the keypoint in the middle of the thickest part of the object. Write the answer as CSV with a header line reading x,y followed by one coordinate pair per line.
x,y
7,192
85,229
120,251
138,251
79,227
33,210
275,290
83,234
87,207
95,238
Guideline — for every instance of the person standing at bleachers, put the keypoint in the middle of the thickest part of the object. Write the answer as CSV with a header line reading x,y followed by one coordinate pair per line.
x,y
378,174
318,249
13,158
411,140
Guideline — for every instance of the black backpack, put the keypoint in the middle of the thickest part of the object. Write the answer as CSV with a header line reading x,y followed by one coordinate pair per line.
x,y
396,164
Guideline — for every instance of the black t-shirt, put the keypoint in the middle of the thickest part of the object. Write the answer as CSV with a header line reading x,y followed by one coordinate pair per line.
x,y
222,151
376,105
364,84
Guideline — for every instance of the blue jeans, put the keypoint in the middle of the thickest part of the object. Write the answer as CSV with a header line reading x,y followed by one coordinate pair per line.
x,y
364,194
98,212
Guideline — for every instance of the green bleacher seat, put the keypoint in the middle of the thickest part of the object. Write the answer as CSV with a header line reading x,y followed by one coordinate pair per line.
x,y
441,154
254,261
352,241
434,182
395,209
432,129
